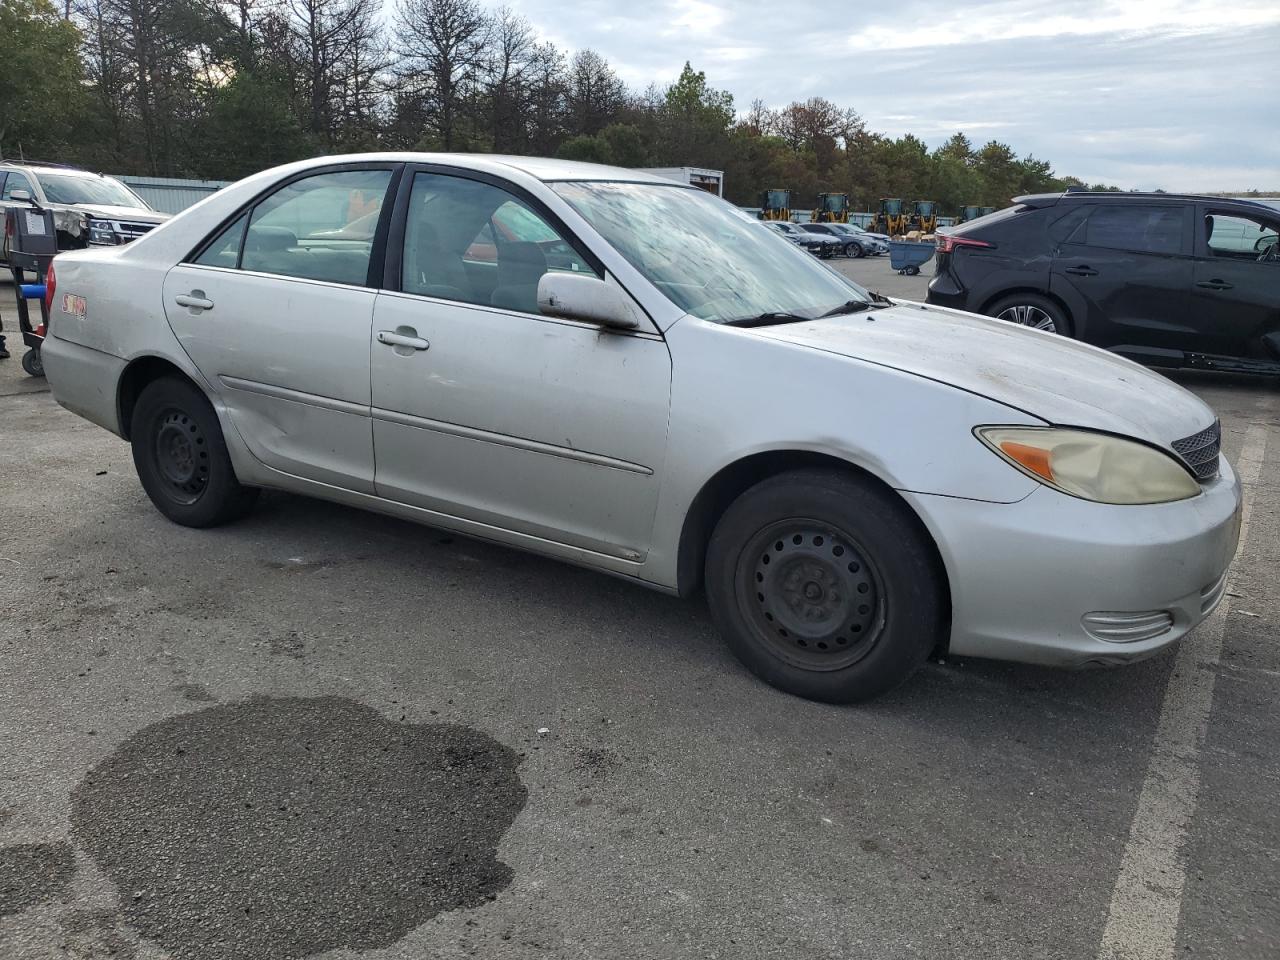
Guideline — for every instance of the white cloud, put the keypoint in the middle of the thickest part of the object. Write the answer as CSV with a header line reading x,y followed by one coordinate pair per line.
x,y
1173,93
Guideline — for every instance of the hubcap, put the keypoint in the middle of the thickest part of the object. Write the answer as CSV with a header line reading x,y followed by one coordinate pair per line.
x,y
182,456
811,594
1026,315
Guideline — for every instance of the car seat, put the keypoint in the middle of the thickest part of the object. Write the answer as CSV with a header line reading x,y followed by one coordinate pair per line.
x,y
520,267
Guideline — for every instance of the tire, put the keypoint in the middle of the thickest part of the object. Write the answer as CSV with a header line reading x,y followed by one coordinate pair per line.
x,y
32,363
855,250
844,614
181,457
912,271
1031,310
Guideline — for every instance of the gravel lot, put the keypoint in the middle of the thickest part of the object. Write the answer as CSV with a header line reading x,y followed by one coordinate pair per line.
x,y
323,732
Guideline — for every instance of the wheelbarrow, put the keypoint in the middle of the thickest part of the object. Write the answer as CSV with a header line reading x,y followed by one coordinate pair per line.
x,y
908,256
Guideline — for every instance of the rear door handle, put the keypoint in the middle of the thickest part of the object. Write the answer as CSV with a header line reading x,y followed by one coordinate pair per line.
x,y
196,300
393,339
1081,271
1214,284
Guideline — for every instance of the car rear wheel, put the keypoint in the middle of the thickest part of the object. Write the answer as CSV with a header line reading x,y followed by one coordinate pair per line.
x,y
824,586
1030,310
181,457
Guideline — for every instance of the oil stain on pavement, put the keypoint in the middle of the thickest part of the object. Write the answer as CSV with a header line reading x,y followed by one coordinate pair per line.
x,y
286,827
32,873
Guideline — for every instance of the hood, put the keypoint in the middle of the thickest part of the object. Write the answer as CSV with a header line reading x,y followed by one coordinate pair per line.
x,y
100,211
1060,381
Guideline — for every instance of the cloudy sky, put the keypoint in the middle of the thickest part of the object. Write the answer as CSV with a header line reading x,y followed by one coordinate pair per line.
x,y
1179,94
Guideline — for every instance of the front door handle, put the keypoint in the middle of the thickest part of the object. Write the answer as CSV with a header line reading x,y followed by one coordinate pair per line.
x,y
196,300
1214,284
1081,271
394,338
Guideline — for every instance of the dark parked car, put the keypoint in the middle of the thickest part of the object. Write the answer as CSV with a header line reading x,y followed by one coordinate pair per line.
x,y
816,243
851,244
1171,281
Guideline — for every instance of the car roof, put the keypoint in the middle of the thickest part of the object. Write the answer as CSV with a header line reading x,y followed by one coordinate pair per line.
x,y
1135,196
547,169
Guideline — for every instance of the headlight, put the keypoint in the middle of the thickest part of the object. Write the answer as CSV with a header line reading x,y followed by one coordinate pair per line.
x,y
101,232
1093,466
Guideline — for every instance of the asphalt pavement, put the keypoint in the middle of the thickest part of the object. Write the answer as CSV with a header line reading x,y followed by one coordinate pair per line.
x,y
320,732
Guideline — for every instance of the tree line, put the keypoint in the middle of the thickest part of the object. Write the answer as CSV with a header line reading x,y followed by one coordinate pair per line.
x,y
198,88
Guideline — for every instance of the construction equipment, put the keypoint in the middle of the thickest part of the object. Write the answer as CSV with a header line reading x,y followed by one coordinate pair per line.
x,y
892,218
775,205
968,213
986,210
925,217
831,208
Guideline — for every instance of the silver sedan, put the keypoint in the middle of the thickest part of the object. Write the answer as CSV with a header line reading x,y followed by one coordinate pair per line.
x,y
622,372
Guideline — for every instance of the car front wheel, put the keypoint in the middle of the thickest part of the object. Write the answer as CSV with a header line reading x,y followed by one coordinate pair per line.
x,y
824,585
1030,310
855,250
182,458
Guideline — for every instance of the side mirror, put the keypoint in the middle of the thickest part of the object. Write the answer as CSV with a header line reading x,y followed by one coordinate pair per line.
x,y
577,296
22,196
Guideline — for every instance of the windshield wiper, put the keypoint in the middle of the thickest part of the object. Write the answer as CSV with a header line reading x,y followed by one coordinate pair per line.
x,y
849,306
765,320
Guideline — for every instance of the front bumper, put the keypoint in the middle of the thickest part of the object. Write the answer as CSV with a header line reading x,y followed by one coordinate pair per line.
x,y
1024,576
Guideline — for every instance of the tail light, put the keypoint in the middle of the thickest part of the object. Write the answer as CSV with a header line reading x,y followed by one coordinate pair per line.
x,y
947,243
50,285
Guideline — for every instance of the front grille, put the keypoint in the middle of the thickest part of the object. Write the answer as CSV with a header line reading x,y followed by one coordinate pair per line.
x,y
132,230
1200,451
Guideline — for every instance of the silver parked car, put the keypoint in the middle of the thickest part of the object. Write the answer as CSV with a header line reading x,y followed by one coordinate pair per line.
x,y
623,372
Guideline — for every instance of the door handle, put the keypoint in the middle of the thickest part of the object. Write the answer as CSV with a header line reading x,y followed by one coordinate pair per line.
x,y
1214,284
394,339
195,300
1081,271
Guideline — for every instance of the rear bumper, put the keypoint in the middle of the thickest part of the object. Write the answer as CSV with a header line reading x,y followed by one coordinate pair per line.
x,y
83,380
946,291
1024,576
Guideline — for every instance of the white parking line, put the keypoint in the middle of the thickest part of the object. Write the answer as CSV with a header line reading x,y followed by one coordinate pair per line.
x,y
1142,920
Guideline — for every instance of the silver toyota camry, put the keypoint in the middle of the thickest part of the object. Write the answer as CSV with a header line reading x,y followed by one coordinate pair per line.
x,y
622,372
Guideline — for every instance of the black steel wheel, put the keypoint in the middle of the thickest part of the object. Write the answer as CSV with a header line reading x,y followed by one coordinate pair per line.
x,y
181,457
825,585
811,590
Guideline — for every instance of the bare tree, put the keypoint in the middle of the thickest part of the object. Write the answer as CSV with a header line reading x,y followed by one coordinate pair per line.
x,y
442,49
336,47
596,95
510,56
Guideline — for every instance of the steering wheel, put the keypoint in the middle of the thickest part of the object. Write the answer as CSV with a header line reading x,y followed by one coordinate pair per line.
x,y
1271,253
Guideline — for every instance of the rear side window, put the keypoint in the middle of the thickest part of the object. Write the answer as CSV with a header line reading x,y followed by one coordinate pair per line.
x,y
318,228
225,250
1135,228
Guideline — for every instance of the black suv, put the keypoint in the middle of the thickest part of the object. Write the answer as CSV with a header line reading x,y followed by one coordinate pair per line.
x,y
1172,281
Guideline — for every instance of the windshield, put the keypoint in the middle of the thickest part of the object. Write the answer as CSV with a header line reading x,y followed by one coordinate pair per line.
x,y
69,188
708,257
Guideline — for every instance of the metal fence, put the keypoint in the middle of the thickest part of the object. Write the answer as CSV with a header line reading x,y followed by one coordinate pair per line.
x,y
170,195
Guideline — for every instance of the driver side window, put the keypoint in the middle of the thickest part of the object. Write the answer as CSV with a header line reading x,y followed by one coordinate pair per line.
x,y
16,181
473,242
1230,236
